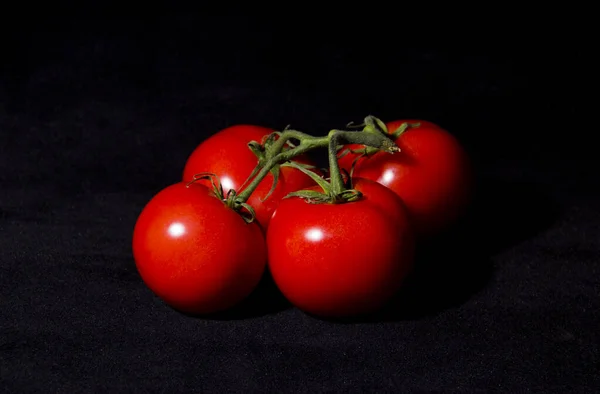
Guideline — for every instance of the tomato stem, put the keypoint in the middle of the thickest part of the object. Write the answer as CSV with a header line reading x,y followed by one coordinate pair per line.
x,y
337,182
394,134
275,155
368,137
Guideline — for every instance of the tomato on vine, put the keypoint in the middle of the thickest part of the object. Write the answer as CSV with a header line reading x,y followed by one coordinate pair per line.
x,y
339,260
195,252
228,155
431,173
341,249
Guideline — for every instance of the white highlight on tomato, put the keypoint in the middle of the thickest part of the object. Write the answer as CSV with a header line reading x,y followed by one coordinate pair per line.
x,y
176,229
227,183
387,176
314,234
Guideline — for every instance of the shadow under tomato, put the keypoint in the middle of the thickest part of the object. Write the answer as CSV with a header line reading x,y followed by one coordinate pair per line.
x,y
266,299
452,268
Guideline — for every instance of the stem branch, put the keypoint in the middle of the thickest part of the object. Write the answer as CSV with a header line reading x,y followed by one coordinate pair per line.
x,y
337,182
284,137
307,143
376,141
277,155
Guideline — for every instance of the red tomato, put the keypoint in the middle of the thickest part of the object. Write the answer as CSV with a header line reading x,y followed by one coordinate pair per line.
x,y
194,252
340,260
431,174
226,154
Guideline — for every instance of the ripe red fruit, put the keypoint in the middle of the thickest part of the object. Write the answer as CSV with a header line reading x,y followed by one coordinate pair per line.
x,y
194,252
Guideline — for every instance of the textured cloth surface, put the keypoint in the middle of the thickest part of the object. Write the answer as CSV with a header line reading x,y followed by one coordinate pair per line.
x,y
93,124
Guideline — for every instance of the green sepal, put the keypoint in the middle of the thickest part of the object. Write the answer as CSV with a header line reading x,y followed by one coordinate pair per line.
x,y
344,153
348,182
303,165
252,213
375,125
275,172
349,195
237,206
214,179
269,140
310,196
257,149
315,177
402,128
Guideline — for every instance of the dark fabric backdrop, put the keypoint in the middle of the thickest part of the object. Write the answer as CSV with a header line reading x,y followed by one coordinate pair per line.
x,y
97,115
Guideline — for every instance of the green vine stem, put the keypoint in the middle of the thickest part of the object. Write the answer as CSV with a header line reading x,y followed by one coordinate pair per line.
x,y
337,182
374,140
376,125
336,191
276,155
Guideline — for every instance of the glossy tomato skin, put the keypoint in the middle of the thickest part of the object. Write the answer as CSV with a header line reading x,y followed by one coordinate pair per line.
x,y
195,253
226,154
432,174
341,260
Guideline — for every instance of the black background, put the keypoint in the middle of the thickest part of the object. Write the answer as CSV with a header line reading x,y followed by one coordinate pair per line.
x,y
98,114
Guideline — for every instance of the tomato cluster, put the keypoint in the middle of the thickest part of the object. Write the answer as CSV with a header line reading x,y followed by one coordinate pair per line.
x,y
202,248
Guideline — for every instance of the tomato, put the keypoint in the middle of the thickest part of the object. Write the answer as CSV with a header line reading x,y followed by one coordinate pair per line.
x,y
341,260
194,252
431,174
227,155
